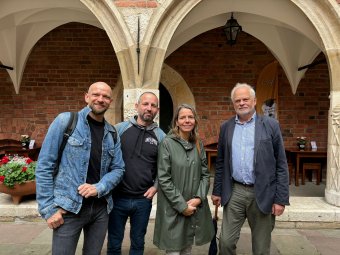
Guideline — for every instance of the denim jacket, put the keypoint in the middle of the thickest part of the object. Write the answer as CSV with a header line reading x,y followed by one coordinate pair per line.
x,y
62,190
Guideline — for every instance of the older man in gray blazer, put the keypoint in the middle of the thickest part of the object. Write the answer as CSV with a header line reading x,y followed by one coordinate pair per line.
x,y
251,179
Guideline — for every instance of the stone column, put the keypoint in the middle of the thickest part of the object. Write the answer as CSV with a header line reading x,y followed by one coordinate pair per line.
x,y
332,192
130,98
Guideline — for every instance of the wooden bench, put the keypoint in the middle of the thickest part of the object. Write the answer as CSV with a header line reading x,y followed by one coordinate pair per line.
x,y
10,142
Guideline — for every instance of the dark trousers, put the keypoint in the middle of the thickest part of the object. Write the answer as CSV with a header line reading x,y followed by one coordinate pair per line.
x,y
92,219
139,212
241,206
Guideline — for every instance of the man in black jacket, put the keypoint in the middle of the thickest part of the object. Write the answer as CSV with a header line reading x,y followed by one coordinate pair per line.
x,y
132,199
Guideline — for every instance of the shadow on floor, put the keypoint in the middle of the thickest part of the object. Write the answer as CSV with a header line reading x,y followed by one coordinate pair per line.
x,y
310,189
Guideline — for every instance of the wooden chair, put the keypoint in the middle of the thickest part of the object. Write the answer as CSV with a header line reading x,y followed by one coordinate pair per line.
x,y
315,167
211,151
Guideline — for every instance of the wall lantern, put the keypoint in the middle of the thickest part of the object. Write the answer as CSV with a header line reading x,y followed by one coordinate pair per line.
x,y
231,30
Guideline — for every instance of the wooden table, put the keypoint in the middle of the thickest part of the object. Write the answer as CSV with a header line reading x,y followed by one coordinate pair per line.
x,y
210,154
298,155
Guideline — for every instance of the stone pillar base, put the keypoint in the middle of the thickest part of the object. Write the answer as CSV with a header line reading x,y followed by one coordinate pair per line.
x,y
332,197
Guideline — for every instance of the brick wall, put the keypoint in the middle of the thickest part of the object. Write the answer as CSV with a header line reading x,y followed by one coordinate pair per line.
x,y
67,60
58,72
136,3
212,68
306,112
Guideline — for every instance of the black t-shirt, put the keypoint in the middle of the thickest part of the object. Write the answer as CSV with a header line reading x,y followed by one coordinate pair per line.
x,y
97,134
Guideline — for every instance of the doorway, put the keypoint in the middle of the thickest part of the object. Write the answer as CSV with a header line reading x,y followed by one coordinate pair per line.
x,y
166,109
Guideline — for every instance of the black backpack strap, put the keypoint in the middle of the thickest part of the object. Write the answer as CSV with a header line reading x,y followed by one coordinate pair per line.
x,y
71,125
114,134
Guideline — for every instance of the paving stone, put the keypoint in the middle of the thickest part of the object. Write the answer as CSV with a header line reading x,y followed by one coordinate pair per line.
x,y
309,226
35,238
19,233
37,249
326,242
294,245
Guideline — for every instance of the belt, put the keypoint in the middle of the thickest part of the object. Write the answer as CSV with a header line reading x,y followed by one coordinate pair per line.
x,y
244,184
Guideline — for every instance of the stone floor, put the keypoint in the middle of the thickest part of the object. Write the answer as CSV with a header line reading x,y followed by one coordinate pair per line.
x,y
35,238
308,226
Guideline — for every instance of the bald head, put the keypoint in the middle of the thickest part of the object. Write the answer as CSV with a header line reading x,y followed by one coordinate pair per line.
x,y
100,85
98,98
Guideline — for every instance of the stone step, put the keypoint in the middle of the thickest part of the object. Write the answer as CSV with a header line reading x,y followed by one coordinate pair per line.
x,y
303,212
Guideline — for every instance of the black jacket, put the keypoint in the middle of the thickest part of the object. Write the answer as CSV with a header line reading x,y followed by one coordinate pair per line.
x,y
140,148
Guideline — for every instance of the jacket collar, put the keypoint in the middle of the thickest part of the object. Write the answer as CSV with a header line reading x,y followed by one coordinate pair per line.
x,y
86,111
186,145
133,121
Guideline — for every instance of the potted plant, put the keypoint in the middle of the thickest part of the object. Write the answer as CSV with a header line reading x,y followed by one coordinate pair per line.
x,y
17,176
301,142
25,140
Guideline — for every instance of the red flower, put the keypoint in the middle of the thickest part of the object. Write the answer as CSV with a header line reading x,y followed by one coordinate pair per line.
x,y
24,169
4,160
2,178
28,160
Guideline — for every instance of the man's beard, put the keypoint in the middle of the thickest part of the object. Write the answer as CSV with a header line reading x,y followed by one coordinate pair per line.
x,y
246,113
95,112
148,118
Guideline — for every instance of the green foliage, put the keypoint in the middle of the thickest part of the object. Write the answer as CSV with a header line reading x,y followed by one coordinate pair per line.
x,y
301,140
16,169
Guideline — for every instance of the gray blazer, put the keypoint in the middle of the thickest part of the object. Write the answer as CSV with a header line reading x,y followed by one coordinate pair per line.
x,y
270,164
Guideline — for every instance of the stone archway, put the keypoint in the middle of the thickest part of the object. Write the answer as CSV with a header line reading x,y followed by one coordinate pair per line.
x,y
177,87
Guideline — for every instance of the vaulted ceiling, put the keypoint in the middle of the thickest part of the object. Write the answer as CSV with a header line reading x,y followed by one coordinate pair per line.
x,y
280,25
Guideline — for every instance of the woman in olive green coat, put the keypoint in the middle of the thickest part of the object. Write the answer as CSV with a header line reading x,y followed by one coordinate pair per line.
x,y
183,216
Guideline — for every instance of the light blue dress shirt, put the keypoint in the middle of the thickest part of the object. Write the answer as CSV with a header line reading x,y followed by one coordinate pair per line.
x,y
243,151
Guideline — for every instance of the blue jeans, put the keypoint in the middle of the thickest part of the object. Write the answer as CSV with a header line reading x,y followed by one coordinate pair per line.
x,y
92,219
139,212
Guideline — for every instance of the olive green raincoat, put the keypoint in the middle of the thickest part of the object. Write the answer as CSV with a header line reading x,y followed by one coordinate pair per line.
x,y
182,175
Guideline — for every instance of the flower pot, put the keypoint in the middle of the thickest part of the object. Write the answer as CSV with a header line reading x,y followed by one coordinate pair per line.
x,y
19,190
301,146
25,145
